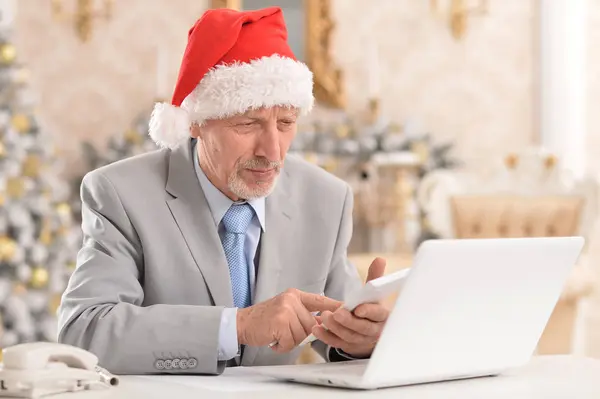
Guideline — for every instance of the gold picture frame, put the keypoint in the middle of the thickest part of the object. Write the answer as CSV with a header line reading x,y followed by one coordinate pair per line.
x,y
328,78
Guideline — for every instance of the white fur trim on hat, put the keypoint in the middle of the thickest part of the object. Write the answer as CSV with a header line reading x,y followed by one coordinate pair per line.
x,y
227,90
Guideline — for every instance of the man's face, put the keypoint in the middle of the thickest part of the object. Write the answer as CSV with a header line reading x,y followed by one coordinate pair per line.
x,y
242,155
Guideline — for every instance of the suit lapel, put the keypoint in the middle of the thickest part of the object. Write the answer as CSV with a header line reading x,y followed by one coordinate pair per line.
x,y
192,214
275,238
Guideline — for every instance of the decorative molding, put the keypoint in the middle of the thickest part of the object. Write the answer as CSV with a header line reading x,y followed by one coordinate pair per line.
x,y
233,4
328,78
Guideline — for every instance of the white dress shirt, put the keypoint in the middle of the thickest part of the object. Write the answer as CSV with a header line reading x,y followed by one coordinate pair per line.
x,y
219,203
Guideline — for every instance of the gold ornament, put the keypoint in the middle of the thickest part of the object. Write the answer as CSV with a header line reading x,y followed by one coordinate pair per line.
x,y
54,303
62,231
8,248
330,166
64,210
8,53
19,289
32,166
133,136
46,233
342,131
15,187
550,162
420,149
21,123
312,158
39,278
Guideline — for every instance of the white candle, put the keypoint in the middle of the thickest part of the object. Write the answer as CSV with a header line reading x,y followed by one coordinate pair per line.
x,y
7,13
373,69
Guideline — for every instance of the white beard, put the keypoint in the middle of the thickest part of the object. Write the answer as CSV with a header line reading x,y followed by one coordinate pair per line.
x,y
238,187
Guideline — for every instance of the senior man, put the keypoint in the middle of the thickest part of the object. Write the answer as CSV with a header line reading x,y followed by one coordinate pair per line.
x,y
218,250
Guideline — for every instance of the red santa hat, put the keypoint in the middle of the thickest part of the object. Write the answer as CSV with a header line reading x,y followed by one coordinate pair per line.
x,y
234,61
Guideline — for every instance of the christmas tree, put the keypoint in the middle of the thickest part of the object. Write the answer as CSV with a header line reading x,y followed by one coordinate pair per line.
x,y
135,140
38,242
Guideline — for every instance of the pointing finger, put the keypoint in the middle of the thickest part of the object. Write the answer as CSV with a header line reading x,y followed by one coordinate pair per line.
x,y
318,303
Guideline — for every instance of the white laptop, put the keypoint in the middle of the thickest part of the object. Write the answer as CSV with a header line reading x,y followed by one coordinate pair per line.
x,y
469,308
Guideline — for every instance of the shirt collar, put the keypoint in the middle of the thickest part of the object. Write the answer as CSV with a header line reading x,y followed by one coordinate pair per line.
x,y
218,202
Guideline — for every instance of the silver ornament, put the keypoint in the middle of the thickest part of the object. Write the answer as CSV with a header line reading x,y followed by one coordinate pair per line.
x,y
19,256
3,223
392,142
17,311
23,272
368,144
19,216
11,167
5,288
36,301
38,254
348,147
25,237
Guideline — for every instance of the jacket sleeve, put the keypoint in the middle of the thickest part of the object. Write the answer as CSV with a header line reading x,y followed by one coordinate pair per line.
x,y
101,309
343,277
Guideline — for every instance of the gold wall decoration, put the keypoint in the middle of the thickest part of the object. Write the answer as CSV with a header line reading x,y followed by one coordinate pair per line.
x,y
84,15
328,78
457,12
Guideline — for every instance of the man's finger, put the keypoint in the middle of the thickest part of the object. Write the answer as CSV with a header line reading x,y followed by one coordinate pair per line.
x,y
347,335
299,331
360,325
285,342
327,337
372,311
306,319
377,269
318,303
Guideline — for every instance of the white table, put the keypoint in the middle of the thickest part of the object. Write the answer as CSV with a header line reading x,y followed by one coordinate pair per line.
x,y
546,377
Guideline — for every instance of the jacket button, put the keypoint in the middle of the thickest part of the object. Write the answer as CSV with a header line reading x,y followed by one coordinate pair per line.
x,y
192,363
168,364
183,364
159,364
175,363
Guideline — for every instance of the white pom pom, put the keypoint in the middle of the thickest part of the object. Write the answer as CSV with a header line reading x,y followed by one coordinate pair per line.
x,y
169,125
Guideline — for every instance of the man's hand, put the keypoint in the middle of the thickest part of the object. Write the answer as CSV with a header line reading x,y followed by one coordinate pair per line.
x,y
285,319
357,332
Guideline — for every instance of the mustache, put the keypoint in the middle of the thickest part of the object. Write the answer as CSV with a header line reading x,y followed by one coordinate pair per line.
x,y
260,163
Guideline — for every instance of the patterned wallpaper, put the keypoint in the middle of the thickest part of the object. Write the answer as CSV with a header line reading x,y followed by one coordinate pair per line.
x,y
477,92
94,90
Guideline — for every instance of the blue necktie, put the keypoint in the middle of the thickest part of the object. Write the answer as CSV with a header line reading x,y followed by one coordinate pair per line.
x,y
236,222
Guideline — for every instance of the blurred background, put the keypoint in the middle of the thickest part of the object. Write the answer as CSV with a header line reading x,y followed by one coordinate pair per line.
x,y
449,118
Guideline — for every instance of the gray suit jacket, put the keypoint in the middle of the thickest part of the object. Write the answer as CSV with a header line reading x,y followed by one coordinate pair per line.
x,y
152,278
